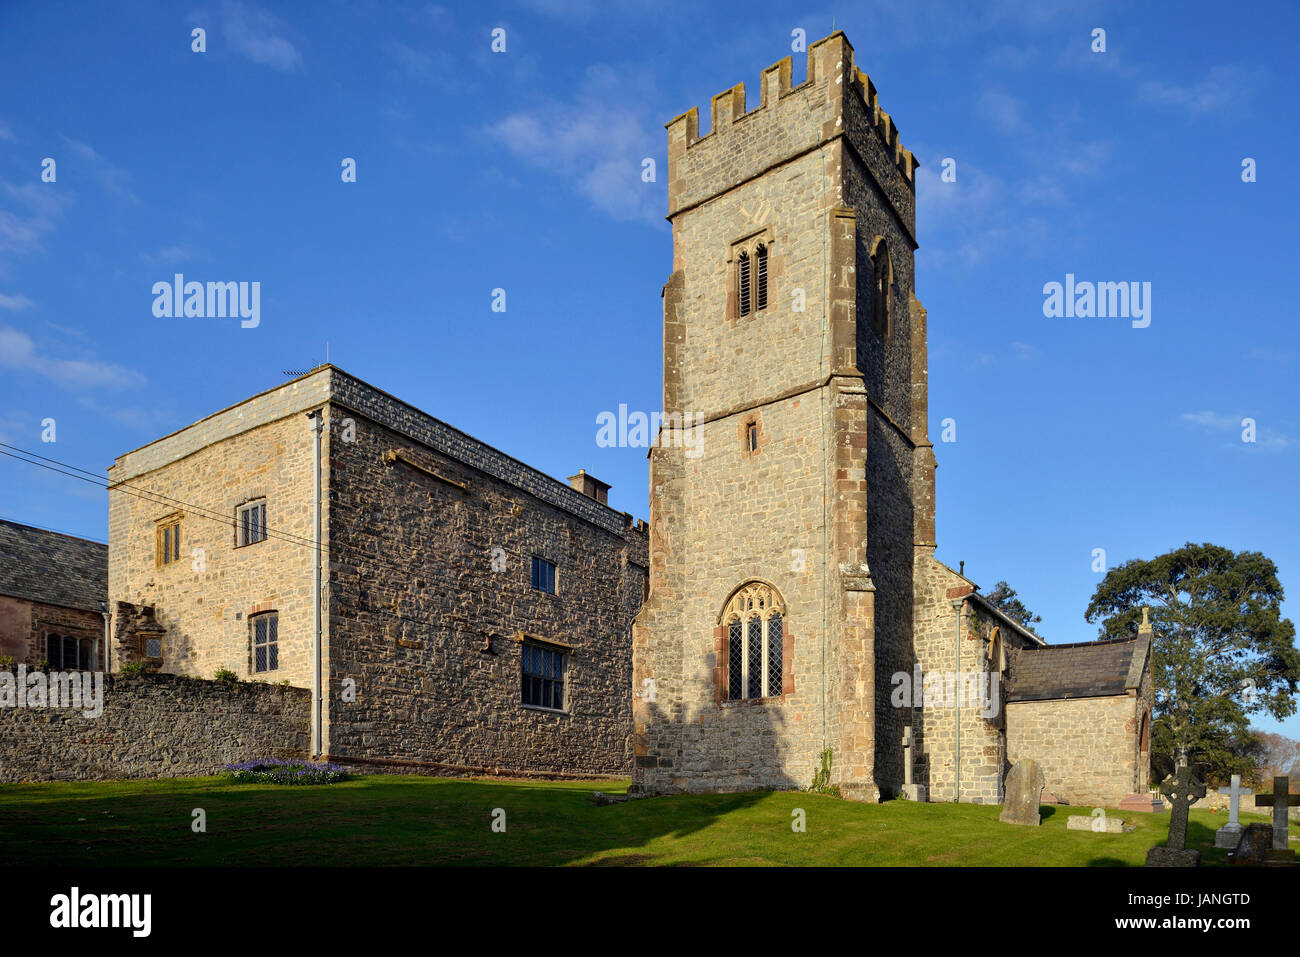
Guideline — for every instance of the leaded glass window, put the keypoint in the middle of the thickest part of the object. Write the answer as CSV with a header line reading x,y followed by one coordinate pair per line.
x,y
755,643
542,672
736,661
266,642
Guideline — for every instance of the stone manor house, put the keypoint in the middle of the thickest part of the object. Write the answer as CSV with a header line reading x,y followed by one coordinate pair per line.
x,y
448,606
474,612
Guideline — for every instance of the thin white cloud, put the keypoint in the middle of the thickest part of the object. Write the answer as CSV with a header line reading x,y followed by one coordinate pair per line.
x,y
595,141
14,303
1014,352
587,9
19,352
169,255
1212,420
1264,436
110,176
1222,87
1011,57
27,215
6,134
1004,111
413,62
257,35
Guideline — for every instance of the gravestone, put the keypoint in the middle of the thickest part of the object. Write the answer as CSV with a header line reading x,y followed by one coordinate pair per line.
x,y
1230,833
911,790
1182,790
1098,823
1024,788
1281,800
1255,842
1147,803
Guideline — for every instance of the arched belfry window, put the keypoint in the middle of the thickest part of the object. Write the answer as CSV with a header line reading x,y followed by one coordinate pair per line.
x,y
749,259
755,622
743,272
883,288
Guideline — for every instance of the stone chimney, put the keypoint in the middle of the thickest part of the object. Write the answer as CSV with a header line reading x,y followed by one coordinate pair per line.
x,y
590,486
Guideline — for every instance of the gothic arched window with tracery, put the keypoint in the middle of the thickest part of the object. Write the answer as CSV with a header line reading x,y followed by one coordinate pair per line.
x,y
755,622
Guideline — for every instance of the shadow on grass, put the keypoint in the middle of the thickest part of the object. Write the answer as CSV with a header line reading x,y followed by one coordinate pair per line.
x,y
373,820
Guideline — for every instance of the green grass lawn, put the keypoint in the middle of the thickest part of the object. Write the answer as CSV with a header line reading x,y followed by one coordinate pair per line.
x,y
408,820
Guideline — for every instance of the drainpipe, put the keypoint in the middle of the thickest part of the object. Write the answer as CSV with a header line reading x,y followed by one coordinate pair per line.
x,y
956,788
103,660
315,417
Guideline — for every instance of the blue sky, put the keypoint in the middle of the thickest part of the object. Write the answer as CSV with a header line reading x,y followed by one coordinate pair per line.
x,y
522,171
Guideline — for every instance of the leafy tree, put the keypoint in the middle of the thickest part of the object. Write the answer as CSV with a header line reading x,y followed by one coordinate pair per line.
x,y
1222,650
1281,755
1003,596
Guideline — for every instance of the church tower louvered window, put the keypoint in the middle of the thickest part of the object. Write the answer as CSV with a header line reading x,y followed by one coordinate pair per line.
x,y
755,619
743,267
750,276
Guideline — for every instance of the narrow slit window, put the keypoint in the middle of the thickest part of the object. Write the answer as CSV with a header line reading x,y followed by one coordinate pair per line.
x,y
884,290
761,285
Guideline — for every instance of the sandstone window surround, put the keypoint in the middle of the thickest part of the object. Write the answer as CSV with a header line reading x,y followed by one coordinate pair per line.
x,y
167,540
747,271
755,629
753,437
151,649
543,673
250,523
264,631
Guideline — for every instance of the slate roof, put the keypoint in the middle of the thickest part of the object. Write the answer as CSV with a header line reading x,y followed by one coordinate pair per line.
x,y
52,568
1090,669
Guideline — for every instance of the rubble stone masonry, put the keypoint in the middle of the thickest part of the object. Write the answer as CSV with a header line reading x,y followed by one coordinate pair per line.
x,y
427,540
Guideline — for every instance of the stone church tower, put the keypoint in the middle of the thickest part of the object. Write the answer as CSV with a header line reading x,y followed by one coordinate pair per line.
x,y
785,530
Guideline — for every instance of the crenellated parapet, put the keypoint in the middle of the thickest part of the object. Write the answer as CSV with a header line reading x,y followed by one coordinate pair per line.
x,y
837,99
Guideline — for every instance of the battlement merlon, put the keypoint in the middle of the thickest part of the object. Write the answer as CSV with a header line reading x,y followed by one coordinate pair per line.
x,y
837,99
